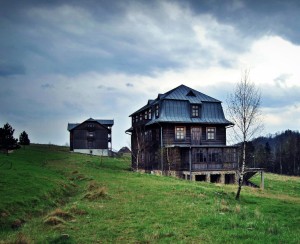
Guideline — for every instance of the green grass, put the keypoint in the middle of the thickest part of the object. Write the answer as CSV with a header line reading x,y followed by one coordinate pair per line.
x,y
94,200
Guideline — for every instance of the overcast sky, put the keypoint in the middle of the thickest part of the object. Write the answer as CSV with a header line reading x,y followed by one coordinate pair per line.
x,y
67,61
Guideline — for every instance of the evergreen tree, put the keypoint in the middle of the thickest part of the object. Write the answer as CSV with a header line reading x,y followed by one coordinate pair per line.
x,y
8,140
1,138
23,138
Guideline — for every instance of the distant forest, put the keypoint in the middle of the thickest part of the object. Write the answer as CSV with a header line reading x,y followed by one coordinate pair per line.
x,y
278,153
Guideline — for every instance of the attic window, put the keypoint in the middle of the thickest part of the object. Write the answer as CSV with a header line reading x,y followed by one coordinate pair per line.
x,y
191,94
149,114
157,111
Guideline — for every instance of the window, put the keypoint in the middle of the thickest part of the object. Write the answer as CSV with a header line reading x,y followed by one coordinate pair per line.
x,y
150,114
141,116
90,127
146,115
179,132
211,133
136,118
195,111
157,110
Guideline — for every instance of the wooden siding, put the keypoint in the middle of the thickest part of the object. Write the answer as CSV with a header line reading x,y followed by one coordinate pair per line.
x,y
169,135
89,135
147,153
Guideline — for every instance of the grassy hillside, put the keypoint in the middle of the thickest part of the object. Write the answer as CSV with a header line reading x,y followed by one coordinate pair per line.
x,y
49,195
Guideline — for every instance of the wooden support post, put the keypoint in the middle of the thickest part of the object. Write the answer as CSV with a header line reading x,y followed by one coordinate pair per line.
x,y
190,162
208,178
222,178
262,180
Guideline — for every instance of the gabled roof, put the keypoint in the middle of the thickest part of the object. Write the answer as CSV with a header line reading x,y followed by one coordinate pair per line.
x,y
176,111
104,122
181,92
186,93
174,106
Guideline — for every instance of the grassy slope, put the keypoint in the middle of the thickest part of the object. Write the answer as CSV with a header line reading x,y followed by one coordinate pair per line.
x,y
134,207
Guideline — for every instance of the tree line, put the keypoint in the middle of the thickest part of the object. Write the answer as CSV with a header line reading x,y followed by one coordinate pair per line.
x,y
278,153
7,140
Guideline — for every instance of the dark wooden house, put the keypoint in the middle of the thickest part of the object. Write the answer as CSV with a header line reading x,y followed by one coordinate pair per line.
x,y
183,132
91,136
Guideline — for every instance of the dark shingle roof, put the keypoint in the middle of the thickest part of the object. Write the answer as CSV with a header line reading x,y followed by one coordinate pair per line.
x,y
105,122
183,92
179,112
175,107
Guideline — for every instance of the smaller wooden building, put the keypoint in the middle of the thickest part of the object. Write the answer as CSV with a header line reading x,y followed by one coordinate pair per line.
x,y
93,136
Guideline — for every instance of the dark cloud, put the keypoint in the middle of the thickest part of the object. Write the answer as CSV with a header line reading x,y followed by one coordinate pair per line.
x,y
254,17
71,37
129,84
47,86
12,69
106,88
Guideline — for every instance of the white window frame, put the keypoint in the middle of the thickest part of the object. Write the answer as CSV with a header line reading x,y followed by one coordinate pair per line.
x,y
195,111
211,133
180,133
150,114
156,110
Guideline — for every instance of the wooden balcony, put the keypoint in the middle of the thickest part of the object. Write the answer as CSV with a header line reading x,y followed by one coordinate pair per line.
x,y
214,166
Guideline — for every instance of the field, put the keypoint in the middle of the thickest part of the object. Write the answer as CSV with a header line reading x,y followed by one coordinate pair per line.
x,y
49,195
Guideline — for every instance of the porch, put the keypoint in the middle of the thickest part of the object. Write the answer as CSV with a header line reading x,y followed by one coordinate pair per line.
x,y
205,158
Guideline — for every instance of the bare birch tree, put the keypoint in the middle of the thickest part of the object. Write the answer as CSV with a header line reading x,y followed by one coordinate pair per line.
x,y
138,146
244,111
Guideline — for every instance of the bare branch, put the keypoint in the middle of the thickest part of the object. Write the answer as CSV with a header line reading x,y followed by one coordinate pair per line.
x,y
244,111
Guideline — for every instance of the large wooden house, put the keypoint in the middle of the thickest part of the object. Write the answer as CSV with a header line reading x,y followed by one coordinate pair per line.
x,y
91,137
183,132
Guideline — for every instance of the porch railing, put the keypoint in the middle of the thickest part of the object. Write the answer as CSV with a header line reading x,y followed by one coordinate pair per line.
x,y
214,166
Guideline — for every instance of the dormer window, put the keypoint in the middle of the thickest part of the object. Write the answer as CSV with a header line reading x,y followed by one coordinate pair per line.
x,y
191,94
156,110
195,111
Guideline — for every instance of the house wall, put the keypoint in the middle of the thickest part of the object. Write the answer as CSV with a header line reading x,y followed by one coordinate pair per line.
x,y
146,147
82,138
169,134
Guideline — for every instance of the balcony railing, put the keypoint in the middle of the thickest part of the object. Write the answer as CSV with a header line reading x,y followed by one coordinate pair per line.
x,y
214,166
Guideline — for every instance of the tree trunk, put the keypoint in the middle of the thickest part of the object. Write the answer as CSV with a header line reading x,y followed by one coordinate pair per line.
x,y
241,179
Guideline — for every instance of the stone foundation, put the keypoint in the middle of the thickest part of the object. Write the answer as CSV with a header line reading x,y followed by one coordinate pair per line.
x,y
223,177
98,152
